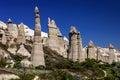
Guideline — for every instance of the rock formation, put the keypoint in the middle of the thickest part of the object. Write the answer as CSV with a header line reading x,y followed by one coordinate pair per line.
x,y
55,39
21,34
52,35
12,29
81,53
26,63
23,51
4,54
91,52
75,45
37,55
111,54
3,38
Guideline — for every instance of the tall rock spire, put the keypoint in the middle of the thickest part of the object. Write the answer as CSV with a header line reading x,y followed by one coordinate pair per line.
x,y
37,22
55,40
73,48
52,35
10,25
12,28
81,54
21,34
91,52
75,45
37,55
111,54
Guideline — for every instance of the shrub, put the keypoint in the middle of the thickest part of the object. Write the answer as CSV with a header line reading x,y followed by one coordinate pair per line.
x,y
17,58
2,63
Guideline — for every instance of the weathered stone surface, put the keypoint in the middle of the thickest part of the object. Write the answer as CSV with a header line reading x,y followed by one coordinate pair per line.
x,y
3,38
91,51
4,54
12,29
21,34
75,45
55,40
52,35
26,63
37,55
111,54
12,50
8,76
23,51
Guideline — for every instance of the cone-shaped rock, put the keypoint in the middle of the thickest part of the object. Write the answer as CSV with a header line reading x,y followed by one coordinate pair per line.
x,y
37,55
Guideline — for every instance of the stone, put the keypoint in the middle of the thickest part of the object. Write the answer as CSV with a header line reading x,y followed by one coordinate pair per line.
x,y
55,39
37,54
75,45
3,54
111,54
3,38
26,63
91,50
12,28
23,51
81,53
21,34
52,41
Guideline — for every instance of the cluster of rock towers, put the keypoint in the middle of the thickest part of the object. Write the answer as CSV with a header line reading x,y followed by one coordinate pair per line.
x,y
76,52
54,41
71,49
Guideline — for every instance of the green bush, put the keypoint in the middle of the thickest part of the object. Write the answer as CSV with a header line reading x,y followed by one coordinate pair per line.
x,y
40,67
17,65
62,75
2,63
17,58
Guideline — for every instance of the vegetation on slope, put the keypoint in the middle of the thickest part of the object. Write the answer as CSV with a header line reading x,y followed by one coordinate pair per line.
x,y
17,58
2,63
64,69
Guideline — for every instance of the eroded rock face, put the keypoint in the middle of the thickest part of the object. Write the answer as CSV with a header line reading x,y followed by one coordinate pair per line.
x,y
75,45
37,55
55,40
52,35
111,54
21,34
12,28
91,50
4,54
3,38
23,51
26,63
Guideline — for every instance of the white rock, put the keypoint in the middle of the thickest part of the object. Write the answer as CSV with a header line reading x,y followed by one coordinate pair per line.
x,y
23,51
3,25
8,76
36,78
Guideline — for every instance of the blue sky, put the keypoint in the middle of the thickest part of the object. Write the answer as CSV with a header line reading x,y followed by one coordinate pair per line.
x,y
97,20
